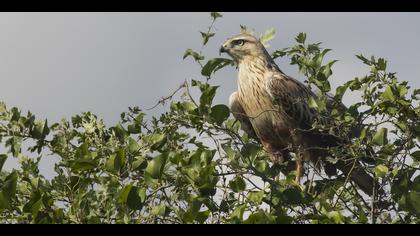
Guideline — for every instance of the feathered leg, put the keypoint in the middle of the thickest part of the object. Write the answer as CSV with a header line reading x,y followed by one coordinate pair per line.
x,y
280,157
301,153
299,168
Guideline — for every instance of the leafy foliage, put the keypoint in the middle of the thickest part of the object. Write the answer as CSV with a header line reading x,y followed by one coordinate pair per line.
x,y
267,36
192,164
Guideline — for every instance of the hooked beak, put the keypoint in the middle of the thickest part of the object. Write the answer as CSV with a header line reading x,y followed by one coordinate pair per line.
x,y
222,49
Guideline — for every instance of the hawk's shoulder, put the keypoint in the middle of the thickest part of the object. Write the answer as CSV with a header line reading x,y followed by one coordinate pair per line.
x,y
291,96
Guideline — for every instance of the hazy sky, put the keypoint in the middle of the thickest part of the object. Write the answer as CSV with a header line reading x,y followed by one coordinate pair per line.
x,y
60,64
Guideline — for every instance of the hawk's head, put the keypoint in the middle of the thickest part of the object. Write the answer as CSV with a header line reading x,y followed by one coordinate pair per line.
x,y
243,46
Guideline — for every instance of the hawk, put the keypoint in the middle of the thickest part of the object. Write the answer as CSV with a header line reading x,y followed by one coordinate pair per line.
x,y
273,108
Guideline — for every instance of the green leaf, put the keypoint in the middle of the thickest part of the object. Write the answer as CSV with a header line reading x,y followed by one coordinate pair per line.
x,y
401,183
9,185
279,53
256,197
380,170
319,57
411,202
414,199
250,151
206,156
415,155
261,166
134,128
82,151
158,210
83,165
403,90
35,182
133,200
206,37
416,184
380,137
261,217
220,113
191,214
4,201
116,161
188,106
364,60
237,184
123,196
202,216
110,164
133,146
40,129
215,15
120,132
381,64
130,195
175,157
138,163
312,103
192,53
230,153
2,107
8,190
267,36
388,94
15,145
155,166
340,91
34,204
318,104
293,196
155,140
336,216
238,213
207,96
3,158
214,65
301,38
75,182
142,194
246,30
326,69
15,114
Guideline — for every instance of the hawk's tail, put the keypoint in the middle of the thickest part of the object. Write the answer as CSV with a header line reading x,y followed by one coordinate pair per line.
x,y
352,168
355,171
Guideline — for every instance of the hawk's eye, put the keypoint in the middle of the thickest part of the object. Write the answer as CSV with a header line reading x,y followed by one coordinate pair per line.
x,y
239,42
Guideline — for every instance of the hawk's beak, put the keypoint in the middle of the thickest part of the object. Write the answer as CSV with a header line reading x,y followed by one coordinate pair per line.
x,y
222,49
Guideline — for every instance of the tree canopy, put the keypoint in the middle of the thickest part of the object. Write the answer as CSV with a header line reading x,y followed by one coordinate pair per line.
x,y
193,164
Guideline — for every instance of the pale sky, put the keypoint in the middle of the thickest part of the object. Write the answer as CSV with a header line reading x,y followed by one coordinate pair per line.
x,y
60,64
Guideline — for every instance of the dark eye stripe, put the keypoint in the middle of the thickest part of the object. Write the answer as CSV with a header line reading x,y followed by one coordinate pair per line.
x,y
239,42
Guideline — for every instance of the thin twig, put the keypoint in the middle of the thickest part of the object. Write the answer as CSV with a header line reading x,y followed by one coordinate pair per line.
x,y
372,211
345,182
164,99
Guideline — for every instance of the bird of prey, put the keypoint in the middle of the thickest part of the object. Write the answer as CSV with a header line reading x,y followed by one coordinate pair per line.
x,y
273,108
